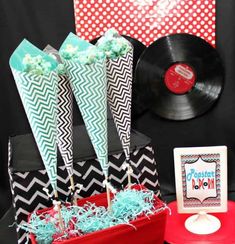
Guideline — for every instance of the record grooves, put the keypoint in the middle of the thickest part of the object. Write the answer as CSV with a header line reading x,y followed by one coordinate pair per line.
x,y
179,77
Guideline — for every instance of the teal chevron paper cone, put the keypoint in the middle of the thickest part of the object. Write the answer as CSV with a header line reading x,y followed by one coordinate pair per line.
x,y
38,95
88,82
64,113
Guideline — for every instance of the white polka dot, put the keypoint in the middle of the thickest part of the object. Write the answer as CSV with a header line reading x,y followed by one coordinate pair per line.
x,y
136,12
198,10
202,14
131,8
136,35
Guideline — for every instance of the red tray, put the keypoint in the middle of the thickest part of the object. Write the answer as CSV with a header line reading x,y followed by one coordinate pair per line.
x,y
149,229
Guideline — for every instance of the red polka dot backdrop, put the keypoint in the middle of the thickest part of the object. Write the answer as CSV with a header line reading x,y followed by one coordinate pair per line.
x,y
146,20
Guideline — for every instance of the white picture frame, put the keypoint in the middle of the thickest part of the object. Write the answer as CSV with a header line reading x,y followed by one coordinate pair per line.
x,y
201,179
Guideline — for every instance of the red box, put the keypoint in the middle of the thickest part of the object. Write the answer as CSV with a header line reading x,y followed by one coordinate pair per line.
x,y
149,229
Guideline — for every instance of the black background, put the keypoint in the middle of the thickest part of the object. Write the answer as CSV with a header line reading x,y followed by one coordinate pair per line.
x,y
48,22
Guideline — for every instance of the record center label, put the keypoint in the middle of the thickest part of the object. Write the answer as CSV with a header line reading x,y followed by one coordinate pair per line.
x,y
180,78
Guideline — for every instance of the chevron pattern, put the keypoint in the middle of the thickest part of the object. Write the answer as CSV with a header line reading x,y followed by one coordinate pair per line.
x,y
88,83
119,78
65,122
38,95
29,196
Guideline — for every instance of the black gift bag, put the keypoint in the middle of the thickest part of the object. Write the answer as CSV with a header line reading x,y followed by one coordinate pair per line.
x,y
28,176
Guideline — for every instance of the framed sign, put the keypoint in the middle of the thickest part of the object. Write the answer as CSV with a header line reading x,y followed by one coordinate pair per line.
x,y
201,179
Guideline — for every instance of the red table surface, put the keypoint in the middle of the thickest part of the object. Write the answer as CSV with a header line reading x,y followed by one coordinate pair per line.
x,y
177,233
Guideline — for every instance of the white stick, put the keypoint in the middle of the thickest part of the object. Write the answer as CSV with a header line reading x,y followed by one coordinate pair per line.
x,y
57,208
126,166
74,199
109,188
108,198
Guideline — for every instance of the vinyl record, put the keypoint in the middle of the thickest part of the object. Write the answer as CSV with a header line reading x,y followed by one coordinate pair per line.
x,y
178,77
138,46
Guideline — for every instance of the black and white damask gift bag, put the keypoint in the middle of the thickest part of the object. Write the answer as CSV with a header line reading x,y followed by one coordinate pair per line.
x,y
28,176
